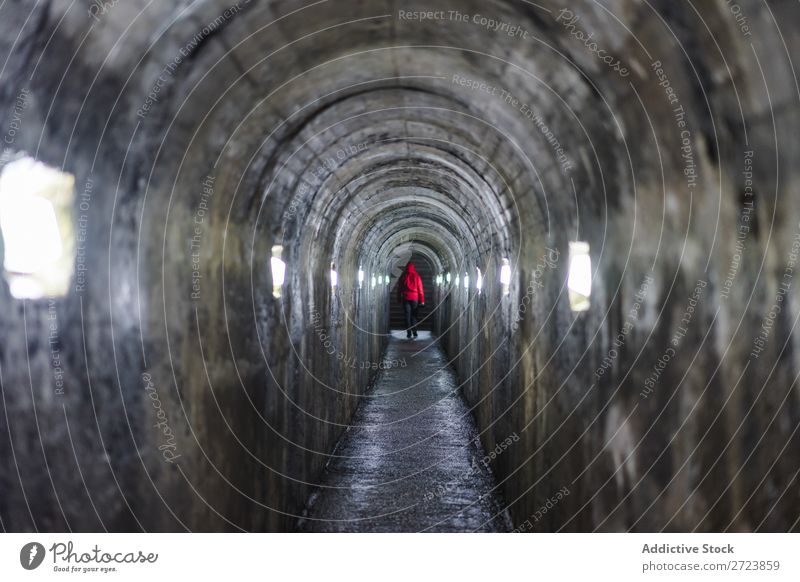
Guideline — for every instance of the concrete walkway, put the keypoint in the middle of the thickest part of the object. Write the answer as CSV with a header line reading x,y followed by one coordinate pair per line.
x,y
411,460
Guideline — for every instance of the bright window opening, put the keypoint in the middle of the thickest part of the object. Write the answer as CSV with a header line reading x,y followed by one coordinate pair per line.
x,y
37,227
334,276
505,276
579,282
278,270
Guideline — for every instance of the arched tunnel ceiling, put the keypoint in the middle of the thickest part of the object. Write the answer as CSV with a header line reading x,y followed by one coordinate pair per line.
x,y
336,98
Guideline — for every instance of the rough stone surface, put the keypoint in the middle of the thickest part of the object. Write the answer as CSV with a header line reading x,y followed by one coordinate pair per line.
x,y
412,459
337,130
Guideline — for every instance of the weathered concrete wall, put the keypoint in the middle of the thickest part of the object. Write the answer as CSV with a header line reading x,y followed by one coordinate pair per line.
x,y
203,134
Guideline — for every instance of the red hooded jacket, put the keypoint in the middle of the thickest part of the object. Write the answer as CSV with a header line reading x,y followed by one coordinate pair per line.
x,y
409,287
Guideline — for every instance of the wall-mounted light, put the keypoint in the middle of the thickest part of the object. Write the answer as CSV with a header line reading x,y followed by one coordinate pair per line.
x,y
334,276
439,279
466,280
387,279
360,277
579,281
458,280
447,277
36,220
374,282
278,270
505,276
479,280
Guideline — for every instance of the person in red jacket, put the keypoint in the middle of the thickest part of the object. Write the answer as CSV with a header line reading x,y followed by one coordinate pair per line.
x,y
411,295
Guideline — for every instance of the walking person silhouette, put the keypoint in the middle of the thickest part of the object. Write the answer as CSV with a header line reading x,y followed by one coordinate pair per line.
x,y
412,296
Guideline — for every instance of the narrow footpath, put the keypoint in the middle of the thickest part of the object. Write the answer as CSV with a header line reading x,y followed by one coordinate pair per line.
x,y
411,461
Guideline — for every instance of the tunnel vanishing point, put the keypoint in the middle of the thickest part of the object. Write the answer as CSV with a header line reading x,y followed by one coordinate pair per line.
x,y
206,206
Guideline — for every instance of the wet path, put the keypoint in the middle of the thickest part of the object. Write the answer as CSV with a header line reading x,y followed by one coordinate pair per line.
x,y
410,461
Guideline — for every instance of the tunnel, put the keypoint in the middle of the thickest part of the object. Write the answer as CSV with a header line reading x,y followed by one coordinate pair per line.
x,y
601,199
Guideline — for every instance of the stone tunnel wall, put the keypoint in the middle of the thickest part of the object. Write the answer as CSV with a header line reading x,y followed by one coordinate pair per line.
x,y
197,148
658,408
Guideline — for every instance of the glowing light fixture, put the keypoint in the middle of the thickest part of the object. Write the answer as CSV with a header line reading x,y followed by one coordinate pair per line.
x,y
448,277
579,281
387,279
479,280
466,280
334,276
458,280
360,276
374,282
37,226
31,219
278,270
505,276
439,279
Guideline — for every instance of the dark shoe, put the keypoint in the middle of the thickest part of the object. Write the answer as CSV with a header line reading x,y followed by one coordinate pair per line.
x,y
408,335
415,334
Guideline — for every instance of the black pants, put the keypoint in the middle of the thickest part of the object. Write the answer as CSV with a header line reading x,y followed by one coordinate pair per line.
x,y
410,308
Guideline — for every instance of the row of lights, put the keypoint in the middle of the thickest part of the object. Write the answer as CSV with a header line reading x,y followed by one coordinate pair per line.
x,y
375,281
505,278
278,267
39,244
579,280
